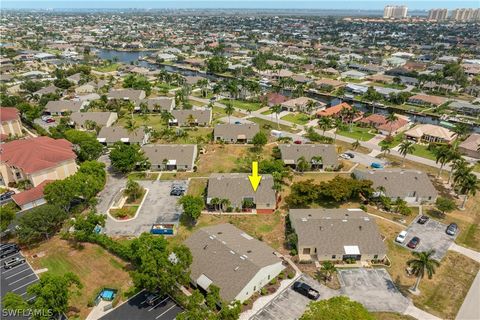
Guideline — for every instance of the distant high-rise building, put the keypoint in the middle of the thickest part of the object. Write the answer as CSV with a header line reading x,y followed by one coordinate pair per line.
x,y
437,15
466,14
395,12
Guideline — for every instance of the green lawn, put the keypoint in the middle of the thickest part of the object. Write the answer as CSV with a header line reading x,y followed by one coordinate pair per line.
x,y
298,118
422,151
395,142
267,112
152,120
196,103
166,86
477,167
107,68
358,133
268,125
246,105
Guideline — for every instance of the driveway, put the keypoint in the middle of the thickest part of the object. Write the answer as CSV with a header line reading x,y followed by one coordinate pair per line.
x,y
290,304
432,236
115,182
365,159
373,288
158,207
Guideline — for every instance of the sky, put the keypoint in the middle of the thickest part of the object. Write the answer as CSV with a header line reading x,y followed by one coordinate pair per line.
x,y
248,4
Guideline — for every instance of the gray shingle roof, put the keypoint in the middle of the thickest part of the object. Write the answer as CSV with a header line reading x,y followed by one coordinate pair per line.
x,y
200,115
184,154
228,256
100,118
236,186
330,230
63,105
164,103
233,131
292,152
114,134
399,183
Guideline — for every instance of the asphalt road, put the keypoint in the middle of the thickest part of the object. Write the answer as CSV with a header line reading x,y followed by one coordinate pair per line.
x,y
164,308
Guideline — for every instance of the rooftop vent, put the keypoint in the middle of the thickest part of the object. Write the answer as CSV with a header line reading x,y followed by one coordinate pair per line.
x,y
236,268
360,228
232,252
205,247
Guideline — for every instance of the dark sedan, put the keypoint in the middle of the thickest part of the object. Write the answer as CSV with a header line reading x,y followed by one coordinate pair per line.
x,y
412,244
423,220
452,229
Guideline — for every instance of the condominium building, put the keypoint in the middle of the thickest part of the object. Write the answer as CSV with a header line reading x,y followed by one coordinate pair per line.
x,y
465,14
395,12
437,15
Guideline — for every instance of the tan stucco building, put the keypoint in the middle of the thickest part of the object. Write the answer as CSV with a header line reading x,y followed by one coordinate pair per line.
x,y
11,125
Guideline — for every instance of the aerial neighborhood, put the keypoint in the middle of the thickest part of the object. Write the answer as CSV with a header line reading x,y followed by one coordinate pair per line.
x,y
226,164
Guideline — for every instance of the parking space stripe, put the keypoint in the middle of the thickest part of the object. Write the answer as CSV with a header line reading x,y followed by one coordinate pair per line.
x,y
158,304
13,275
21,279
26,284
174,305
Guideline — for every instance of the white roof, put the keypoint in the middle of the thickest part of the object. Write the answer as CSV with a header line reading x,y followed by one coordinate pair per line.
x,y
351,249
204,282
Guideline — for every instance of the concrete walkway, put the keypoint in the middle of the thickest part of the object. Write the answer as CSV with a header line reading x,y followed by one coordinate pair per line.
x,y
474,255
470,309
419,313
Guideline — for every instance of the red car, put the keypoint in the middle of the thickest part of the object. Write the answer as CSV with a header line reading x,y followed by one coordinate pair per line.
x,y
412,244
50,120
297,142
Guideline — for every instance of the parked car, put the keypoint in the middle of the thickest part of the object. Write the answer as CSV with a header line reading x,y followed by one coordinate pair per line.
x,y
401,236
376,165
177,192
151,299
8,249
6,196
412,244
344,156
306,290
351,155
452,229
13,262
423,219
297,141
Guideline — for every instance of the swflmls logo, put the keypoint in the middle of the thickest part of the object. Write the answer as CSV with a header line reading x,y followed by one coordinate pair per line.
x,y
27,313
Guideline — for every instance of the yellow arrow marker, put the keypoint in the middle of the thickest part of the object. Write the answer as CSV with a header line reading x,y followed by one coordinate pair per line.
x,y
255,178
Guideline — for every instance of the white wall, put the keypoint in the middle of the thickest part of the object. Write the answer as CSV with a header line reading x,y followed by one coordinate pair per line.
x,y
260,280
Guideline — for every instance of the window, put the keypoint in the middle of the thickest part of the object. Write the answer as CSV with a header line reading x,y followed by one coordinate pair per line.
x,y
18,175
375,256
268,277
334,256
306,250
255,288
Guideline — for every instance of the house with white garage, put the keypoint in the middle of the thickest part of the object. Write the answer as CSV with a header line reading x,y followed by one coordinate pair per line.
x,y
227,257
319,156
413,186
190,118
336,235
83,120
62,107
235,133
110,135
180,157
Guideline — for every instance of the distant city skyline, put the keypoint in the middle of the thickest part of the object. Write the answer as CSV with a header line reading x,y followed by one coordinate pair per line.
x,y
248,4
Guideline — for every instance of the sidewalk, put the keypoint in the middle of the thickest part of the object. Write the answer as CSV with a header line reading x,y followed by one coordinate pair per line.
x,y
470,309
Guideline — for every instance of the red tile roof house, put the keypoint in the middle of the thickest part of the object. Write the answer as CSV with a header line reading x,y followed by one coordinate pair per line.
x,y
380,123
11,126
273,98
36,160
31,198
336,112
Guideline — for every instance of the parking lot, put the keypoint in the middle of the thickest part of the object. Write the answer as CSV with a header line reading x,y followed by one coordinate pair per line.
x,y
158,207
291,304
136,308
16,279
373,288
365,159
432,235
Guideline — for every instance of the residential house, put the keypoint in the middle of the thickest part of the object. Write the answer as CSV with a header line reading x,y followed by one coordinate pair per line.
x,y
31,198
424,99
179,157
337,112
36,160
273,98
237,189
132,95
47,90
235,133
228,258
465,107
62,107
320,156
413,186
158,104
430,133
380,122
110,135
100,119
194,117
328,84
470,146
302,104
90,87
11,125
353,74
336,235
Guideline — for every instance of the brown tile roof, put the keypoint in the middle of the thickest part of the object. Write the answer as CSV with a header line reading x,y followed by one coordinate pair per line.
x,y
333,110
7,114
35,154
31,195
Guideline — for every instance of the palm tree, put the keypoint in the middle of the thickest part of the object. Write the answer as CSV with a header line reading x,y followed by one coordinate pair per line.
x,y
442,155
325,123
392,117
276,109
421,264
458,165
191,120
311,104
302,164
224,204
215,202
405,148
229,109
166,117
355,145
462,171
468,186
385,148
328,268
131,125
317,161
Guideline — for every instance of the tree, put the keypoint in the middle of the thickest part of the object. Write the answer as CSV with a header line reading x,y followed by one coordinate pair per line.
x,y
217,64
405,148
445,205
355,144
52,293
391,118
61,193
87,145
325,123
259,140
7,215
157,265
40,223
125,157
276,109
385,148
328,268
302,164
468,186
192,206
229,110
133,190
336,308
422,263
13,301
442,155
